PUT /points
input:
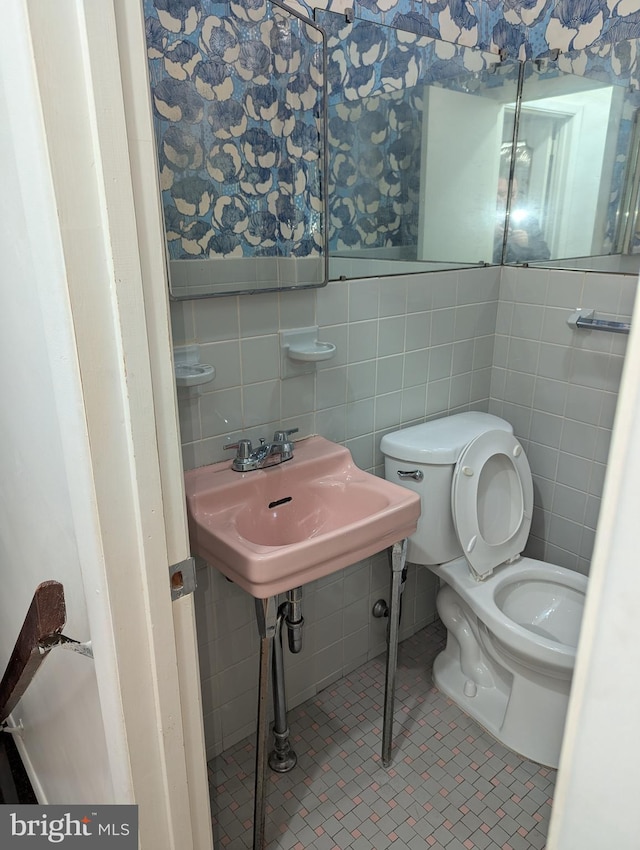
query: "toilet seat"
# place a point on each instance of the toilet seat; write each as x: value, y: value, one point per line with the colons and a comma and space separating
x: 492, y: 522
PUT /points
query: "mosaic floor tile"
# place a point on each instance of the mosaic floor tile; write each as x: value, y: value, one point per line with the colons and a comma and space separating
x: 451, y: 786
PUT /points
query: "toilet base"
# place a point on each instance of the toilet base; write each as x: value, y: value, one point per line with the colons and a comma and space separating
x: 485, y: 707
x: 522, y: 708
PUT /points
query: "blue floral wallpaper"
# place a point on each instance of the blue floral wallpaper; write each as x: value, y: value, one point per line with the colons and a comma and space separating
x: 237, y: 94
x: 524, y: 29
x: 237, y: 91
x: 376, y: 77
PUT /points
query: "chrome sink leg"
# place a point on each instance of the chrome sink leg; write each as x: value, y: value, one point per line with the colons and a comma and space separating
x: 398, y: 559
x: 266, y: 615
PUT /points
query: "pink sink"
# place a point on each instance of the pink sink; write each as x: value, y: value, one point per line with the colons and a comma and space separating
x: 273, y: 529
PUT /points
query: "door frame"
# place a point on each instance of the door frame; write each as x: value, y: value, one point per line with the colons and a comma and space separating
x: 97, y: 122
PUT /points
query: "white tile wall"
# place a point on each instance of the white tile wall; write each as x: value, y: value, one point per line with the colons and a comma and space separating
x: 559, y: 387
x: 408, y: 348
x: 339, y: 635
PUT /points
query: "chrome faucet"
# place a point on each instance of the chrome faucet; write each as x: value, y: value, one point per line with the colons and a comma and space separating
x: 266, y: 454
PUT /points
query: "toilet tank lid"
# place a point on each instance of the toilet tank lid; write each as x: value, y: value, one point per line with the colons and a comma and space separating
x: 440, y: 441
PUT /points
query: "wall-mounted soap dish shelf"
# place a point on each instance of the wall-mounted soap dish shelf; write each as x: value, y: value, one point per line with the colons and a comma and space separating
x: 190, y: 373
x: 313, y: 353
x: 300, y: 350
x: 193, y: 375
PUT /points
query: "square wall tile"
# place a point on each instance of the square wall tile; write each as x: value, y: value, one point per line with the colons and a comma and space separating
x: 297, y: 309
x: 550, y: 396
x: 331, y: 387
x: 361, y: 380
x: 225, y: 358
x: 259, y: 315
x: 362, y: 450
x: 393, y: 297
x: 565, y: 289
x: 546, y: 429
x: 414, y: 401
x: 389, y: 374
x: 480, y: 387
x: 391, y: 335
x: 460, y: 391
x: 483, y: 349
x: 360, y: 418
x: 440, y: 362
x: 445, y: 289
x: 216, y: 318
x: 568, y: 502
x: 416, y: 368
x: 261, y: 403
x: 443, y: 326
x: 463, y: 354
x: 527, y: 321
x: 363, y: 341
x: 221, y: 412
x: 260, y: 358
x: 297, y: 396
x: 531, y: 286
x: 418, y: 331
x: 363, y: 300
x: 332, y: 304
x: 387, y: 410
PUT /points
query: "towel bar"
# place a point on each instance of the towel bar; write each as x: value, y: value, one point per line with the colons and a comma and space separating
x: 584, y: 320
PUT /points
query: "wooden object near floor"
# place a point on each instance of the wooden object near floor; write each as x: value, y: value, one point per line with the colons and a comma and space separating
x: 45, y: 619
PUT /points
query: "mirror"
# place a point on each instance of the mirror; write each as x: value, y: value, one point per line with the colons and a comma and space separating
x: 415, y: 131
x: 238, y: 104
x: 420, y: 172
x: 575, y: 177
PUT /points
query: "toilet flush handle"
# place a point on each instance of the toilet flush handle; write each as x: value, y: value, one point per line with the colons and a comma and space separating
x: 416, y: 474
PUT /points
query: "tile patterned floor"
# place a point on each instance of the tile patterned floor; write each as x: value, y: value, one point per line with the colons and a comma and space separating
x: 451, y: 785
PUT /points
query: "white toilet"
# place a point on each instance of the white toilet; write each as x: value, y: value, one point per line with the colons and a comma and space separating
x: 512, y: 622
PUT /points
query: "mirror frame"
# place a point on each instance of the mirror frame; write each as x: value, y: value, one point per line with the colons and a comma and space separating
x: 198, y: 269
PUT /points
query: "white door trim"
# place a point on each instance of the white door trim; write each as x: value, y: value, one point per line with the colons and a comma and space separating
x: 122, y: 337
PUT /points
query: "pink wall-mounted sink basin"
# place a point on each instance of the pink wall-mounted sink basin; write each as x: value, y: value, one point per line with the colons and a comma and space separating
x: 273, y: 529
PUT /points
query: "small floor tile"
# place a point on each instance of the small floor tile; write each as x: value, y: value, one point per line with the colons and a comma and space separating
x: 450, y: 785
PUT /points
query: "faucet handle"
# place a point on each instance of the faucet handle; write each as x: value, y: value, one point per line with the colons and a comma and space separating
x: 283, y: 436
x: 244, y: 448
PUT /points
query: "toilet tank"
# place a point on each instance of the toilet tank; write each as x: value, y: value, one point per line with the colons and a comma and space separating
x: 431, y: 450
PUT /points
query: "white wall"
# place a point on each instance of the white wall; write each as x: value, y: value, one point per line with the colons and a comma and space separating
x: 407, y: 348
x: 596, y: 799
x: 40, y: 426
x: 461, y: 139
x: 559, y: 388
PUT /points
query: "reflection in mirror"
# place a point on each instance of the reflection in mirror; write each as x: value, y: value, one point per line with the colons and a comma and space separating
x: 238, y: 101
x: 415, y: 130
x: 574, y: 198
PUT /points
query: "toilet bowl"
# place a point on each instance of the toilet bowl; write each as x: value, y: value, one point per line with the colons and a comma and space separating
x: 512, y: 622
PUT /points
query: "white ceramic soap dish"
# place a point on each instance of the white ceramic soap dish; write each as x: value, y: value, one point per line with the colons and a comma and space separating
x: 190, y: 373
x: 300, y: 350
